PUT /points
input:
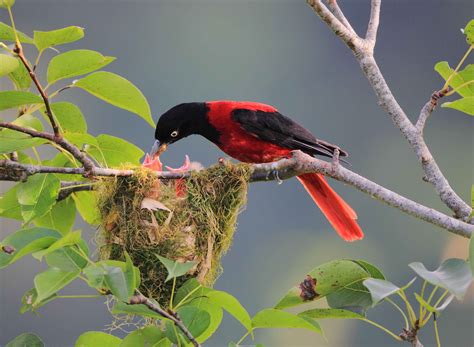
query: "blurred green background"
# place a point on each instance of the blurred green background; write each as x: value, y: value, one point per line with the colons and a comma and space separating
x: 276, y: 52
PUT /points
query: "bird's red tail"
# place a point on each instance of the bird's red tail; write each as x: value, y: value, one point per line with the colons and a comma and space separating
x: 341, y: 216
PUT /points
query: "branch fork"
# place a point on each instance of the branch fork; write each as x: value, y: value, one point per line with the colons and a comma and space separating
x: 363, y: 49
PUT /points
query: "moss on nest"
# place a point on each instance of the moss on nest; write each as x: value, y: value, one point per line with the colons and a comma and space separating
x: 199, y: 225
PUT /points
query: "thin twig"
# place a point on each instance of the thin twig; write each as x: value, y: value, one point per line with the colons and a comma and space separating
x: 374, y: 20
x: 139, y: 299
x: 337, y: 12
x: 88, y: 164
x: 427, y: 109
x: 348, y: 36
x: 19, y: 52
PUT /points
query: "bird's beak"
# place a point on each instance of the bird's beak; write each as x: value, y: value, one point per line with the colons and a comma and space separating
x: 157, y: 149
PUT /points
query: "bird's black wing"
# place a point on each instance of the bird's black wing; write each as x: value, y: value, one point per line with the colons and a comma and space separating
x: 281, y: 130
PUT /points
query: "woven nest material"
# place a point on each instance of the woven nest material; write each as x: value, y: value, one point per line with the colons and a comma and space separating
x: 183, y: 220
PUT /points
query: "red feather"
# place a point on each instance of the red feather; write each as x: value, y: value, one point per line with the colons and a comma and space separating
x: 247, y: 147
x: 341, y: 216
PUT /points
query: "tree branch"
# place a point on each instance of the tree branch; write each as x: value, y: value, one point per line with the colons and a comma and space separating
x: 139, y: 299
x: 88, y: 164
x: 363, y: 50
x: 349, y: 37
x: 374, y: 20
x: 298, y: 164
x: 49, y: 112
x: 337, y: 12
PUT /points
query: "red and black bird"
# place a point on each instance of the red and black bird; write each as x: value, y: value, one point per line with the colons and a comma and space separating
x: 257, y: 133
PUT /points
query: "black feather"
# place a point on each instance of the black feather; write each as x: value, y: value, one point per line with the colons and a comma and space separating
x: 283, y: 131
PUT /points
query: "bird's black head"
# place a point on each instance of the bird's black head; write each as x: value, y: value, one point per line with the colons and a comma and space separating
x: 181, y: 121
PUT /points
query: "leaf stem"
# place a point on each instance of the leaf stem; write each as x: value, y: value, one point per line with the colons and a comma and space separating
x: 78, y: 296
x: 243, y: 337
x: 435, y: 306
x: 172, y: 293
x: 422, y: 294
x: 435, y: 324
x: 452, y: 91
x: 407, y: 325
x: 411, y: 312
x: 17, y: 40
x: 433, y: 292
x: 395, y: 336
x: 458, y: 67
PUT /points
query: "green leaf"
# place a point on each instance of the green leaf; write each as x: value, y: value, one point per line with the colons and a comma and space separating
x: 6, y: 3
x: 469, y: 32
x: 273, y: 318
x: 38, y: 195
x: 330, y: 278
x: 453, y: 275
x: 456, y: 79
x: 69, y: 239
x: 29, y: 298
x: 68, y: 258
x: 139, y: 310
x: 113, y: 151
x: 132, y: 275
x: 380, y: 289
x: 190, y: 290
x: 51, y: 281
x: 26, y: 340
x: 115, y: 280
x: 465, y: 105
x: 76, y: 63
x: 371, y: 269
x: 47, y: 39
x: 86, y: 204
x: 144, y: 337
x: 60, y: 218
x: 7, y: 34
x: 195, y: 319
x: 12, y: 99
x: 122, y: 278
x: 9, y: 206
x: 117, y: 91
x: 174, y: 268
x: 69, y: 117
x: 7, y: 64
x: 20, y: 76
x: 26, y: 241
x: 97, y: 338
x: 332, y: 313
x: 215, y: 315
x: 232, y: 306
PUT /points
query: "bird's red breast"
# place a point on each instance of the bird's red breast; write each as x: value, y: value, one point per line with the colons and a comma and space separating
x: 237, y: 142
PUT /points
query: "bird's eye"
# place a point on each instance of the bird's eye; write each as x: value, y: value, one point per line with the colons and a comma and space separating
x: 174, y: 133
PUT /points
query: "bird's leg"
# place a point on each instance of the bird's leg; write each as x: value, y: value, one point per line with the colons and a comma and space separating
x: 276, y: 176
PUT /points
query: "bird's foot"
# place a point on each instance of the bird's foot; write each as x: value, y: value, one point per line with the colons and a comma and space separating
x: 276, y: 175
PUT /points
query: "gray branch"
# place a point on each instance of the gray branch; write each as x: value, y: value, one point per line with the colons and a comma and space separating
x: 337, y: 12
x: 300, y: 163
x: 363, y: 50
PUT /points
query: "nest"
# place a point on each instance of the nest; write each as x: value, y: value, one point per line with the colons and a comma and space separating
x: 183, y: 220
